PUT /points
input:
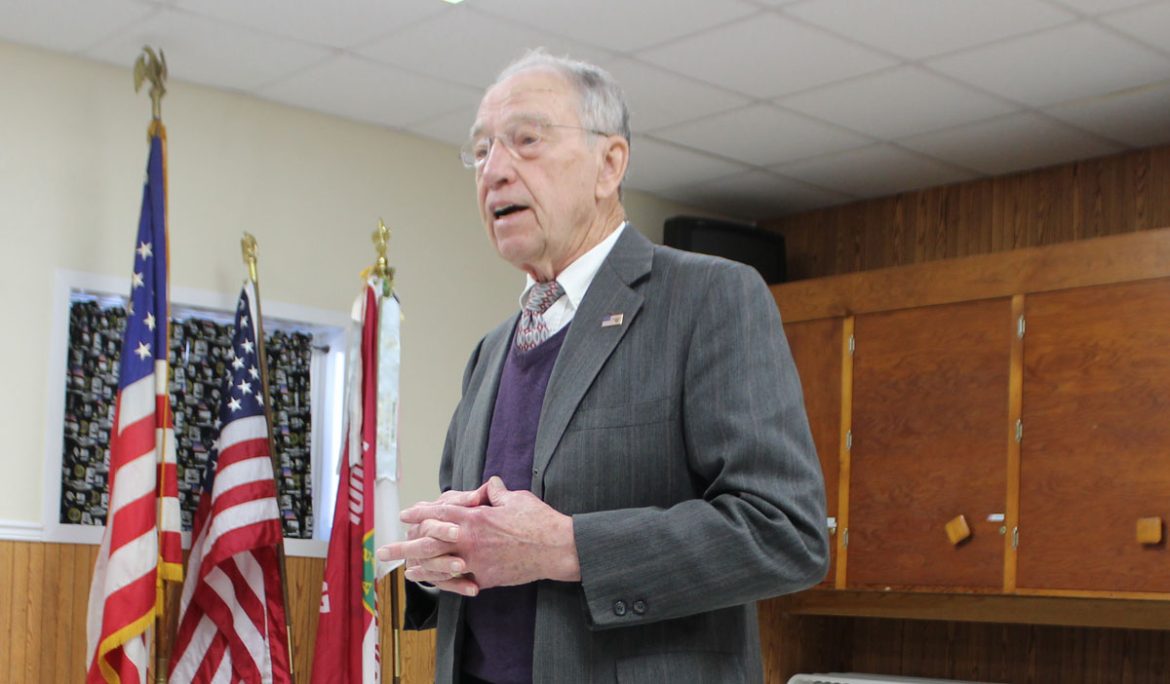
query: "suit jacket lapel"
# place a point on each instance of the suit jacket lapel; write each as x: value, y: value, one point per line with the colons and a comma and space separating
x: 479, y: 418
x: 588, y: 344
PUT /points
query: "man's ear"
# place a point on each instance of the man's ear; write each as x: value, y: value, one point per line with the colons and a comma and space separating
x: 614, y: 161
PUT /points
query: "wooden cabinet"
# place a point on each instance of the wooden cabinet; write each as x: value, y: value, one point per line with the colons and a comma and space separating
x: 930, y: 405
x: 1028, y: 392
x: 817, y: 349
x: 1095, y: 456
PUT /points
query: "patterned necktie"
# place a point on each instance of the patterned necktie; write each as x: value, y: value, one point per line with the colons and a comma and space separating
x: 532, y: 329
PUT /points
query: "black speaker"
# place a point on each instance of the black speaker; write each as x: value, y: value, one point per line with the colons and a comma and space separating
x: 746, y: 244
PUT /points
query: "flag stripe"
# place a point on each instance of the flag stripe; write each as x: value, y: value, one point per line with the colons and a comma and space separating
x: 123, y: 597
x: 130, y: 564
x: 223, y: 674
x: 134, y: 478
x: 246, y: 493
x: 136, y: 403
x: 130, y: 528
x: 243, y: 472
x: 242, y: 430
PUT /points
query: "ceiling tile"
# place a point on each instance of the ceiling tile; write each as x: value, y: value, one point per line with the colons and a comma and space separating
x: 208, y: 52
x: 659, y: 98
x: 1140, y: 118
x: 853, y: 171
x: 1093, y: 7
x: 754, y: 196
x: 656, y: 166
x: 766, y: 56
x: 921, y: 28
x: 334, y: 24
x: 68, y: 25
x: 453, y: 128
x: 1063, y: 64
x: 1009, y: 143
x: 464, y: 46
x: 896, y: 103
x: 695, y: 72
x: 362, y: 90
x: 1149, y: 23
x: 618, y: 24
x: 762, y: 135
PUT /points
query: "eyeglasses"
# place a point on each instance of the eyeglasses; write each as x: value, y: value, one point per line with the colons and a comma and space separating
x: 524, y: 139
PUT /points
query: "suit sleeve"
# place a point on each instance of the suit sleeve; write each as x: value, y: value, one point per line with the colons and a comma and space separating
x: 757, y: 525
x: 422, y: 602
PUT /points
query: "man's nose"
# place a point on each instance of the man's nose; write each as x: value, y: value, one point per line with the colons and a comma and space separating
x: 499, y: 165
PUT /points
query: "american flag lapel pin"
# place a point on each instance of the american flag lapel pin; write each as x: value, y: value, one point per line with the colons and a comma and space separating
x: 611, y: 320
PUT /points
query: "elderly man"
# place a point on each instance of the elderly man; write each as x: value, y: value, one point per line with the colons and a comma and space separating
x: 630, y: 467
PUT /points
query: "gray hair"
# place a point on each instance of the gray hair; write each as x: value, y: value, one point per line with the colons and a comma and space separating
x: 602, y: 102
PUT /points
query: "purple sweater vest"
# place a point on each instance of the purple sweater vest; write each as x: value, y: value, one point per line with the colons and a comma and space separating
x: 500, y: 622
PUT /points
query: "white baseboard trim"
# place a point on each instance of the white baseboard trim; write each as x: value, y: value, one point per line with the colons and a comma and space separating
x: 18, y: 530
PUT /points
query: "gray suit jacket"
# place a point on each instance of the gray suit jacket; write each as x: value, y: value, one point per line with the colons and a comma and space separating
x: 678, y: 442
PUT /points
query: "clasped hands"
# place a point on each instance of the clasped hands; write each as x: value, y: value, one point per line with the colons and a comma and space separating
x: 466, y: 541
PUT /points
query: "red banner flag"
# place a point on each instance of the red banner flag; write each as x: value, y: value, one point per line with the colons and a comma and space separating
x: 347, y: 649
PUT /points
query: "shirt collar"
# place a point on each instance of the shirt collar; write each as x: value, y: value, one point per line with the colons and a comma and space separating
x: 577, y: 276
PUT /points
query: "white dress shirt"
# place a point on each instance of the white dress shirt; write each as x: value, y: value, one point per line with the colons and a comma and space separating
x: 575, y: 280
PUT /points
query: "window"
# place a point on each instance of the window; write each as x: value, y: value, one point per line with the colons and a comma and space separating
x: 305, y: 358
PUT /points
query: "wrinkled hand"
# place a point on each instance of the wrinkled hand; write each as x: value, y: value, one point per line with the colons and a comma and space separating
x: 428, y: 553
x: 514, y: 539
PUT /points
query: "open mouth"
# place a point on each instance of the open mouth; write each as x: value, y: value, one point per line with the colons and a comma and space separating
x: 507, y: 209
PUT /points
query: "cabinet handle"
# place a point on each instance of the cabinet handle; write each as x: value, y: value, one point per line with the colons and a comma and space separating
x: 957, y: 530
x: 1149, y: 530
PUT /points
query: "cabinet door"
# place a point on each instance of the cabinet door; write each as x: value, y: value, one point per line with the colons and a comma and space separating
x: 816, y: 349
x: 1095, y: 456
x: 930, y: 423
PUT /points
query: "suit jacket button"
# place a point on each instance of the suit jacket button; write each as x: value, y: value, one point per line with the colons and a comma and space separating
x: 640, y: 607
x: 619, y: 608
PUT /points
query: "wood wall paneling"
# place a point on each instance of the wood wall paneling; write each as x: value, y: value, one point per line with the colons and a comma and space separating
x: 929, y: 410
x: 1113, y: 259
x: 1019, y: 654
x: 1106, y: 196
x: 976, y: 607
x: 1096, y: 442
x: 792, y: 643
x: 8, y: 633
x: 20, y: 654
x: 968, y: 651
x: 44, y: 595
x: 816, y: 350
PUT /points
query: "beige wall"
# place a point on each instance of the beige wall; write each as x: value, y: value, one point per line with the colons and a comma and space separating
x: 309, y: 186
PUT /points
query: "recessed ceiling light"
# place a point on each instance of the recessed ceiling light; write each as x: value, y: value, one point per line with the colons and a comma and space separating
x: 453, y: 2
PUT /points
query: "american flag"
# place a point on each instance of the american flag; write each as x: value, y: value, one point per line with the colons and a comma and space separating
x: 125, y: 588
x: 232, y: 619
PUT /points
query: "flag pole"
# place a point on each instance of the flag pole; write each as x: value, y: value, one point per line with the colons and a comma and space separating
x: 151, y: 66
x: 381, y: 269
x: 249, y: 251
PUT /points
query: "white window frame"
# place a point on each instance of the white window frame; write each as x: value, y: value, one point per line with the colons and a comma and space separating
x: 329, y: 327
